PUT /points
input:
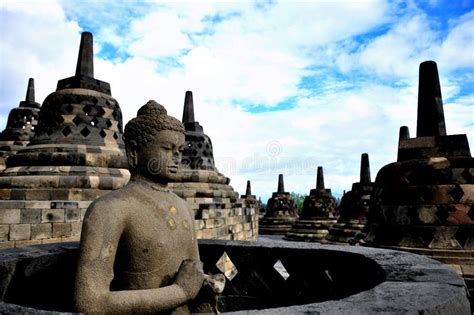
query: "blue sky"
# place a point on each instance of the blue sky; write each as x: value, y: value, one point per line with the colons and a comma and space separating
x: 279, y: 86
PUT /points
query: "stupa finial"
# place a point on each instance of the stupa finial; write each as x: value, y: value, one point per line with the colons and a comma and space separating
x: 281, y: 184
x: 30, y: 96
x: 85, y: 60
x: 404, y: 133
x: 320, y: 179
x: 30, y: 91
x: 364, y: 169
x: 430, y: 121
x: 248, y: 191
x: 188, y: 113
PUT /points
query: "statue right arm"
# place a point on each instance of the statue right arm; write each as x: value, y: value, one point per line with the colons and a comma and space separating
x: 101, y: 232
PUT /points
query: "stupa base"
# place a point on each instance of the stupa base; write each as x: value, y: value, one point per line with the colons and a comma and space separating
x: 309, y: 230
x: 345, y: 233
x: 275, y: 226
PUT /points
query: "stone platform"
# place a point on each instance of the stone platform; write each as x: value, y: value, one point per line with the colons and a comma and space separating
x: 268, y: 277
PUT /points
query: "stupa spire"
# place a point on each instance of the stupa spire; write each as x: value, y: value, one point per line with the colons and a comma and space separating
x: 320, y: 179
x: 248, y: 191
x: 404, y: 133
x: 30, y: 95
x: 30, y: 91
x: 364, y: 169
x: 430, y: 121
x: 85, y: 60
x: 281, y: 184
x: 188, y: 113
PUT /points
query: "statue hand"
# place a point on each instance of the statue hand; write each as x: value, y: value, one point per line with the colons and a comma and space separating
x: 190, y: 277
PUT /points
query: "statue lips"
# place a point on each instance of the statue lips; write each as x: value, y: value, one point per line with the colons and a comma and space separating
x: 173, y: 169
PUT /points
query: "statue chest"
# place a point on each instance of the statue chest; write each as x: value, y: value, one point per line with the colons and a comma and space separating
x: 157, y: 239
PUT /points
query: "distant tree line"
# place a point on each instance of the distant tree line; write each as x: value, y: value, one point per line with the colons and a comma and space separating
x: 298, y: 199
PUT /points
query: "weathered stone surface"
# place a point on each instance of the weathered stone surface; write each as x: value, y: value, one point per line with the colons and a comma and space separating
x: 62, y: 230
x: 41, y: 231
x: 19, y: 232
x: 4, y: 232
x: 52, y: 215
x: 9, y: 216
x: 30, y: 216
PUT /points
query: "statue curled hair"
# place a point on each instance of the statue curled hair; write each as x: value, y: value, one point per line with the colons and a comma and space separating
x: 151, y: 119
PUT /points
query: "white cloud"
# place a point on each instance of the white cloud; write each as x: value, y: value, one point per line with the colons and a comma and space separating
x: 457, y: 50
x: 234, y: 56
x: 413, y: 39
x: 37, y: 41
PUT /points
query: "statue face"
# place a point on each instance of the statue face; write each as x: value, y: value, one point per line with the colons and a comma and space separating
x: 160, y: 159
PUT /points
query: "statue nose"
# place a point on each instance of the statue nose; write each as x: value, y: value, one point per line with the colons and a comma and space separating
x: 177, y: 156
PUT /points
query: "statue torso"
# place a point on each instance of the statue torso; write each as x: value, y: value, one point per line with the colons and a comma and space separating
x: 158, y: 235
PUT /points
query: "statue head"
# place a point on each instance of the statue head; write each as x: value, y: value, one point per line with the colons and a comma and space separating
x: 154, y: 143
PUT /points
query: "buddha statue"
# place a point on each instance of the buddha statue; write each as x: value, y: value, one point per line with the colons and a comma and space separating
x: 138, y: 251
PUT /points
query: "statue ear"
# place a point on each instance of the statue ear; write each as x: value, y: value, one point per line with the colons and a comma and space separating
x: 132, y: 153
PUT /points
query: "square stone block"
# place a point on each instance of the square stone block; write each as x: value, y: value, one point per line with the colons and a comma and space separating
x: 30, y: 216
x: 4, y: 231
x: 73, y: 215
x: 76, y: 228
x: 5, y: 194
x: 20, y: 232
x: 52, y: 215
x: 38, y: 194
x: 41, y: 231
x: 209, y: 234
x: 62, y: 229
x: 9, y: 216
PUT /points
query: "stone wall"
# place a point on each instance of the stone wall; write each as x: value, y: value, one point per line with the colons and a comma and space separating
x: 41, y: 222
x: 218, y: 212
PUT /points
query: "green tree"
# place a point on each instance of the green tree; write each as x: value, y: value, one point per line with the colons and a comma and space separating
x: 298, y: 199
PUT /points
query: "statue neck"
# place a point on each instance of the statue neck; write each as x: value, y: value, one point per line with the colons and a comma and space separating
x: 139, y: 178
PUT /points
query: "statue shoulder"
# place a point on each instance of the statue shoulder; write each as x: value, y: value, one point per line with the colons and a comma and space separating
x: 114, y: 204
x: 180, y: 201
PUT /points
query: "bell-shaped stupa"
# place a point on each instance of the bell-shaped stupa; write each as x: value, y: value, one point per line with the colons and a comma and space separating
x: 318, y: 214
x: 251, y: 200
x: 424, y: 202
x: 76, y: 155
x: 21, y: 125
x: 219, y: 212
x: 281, y: 212
x: 353, y: 208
